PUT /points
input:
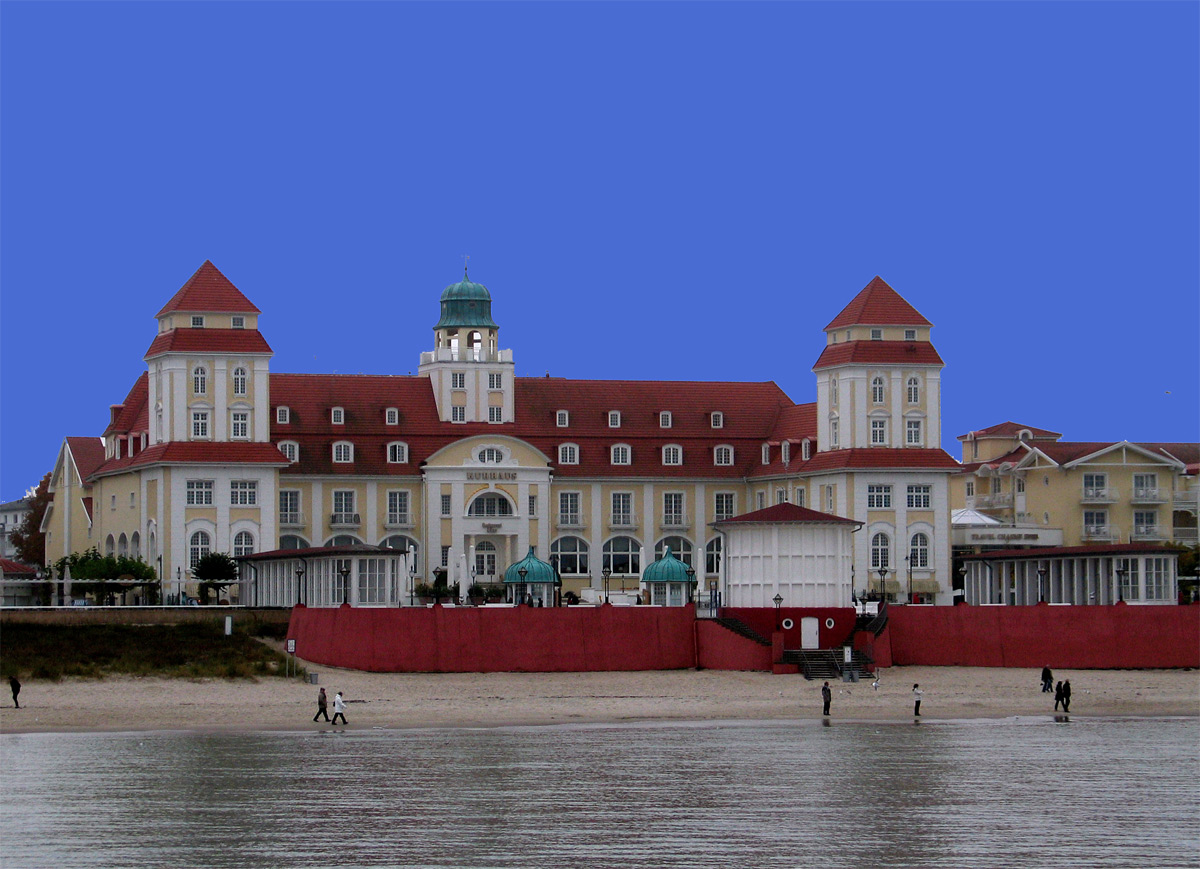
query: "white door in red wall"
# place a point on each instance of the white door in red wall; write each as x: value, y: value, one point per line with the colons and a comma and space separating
x: 810, y: 633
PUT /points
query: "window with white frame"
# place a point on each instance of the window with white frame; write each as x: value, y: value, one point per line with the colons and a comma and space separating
x: 458, y: 413
x: 718, y: 419
x: 723, y: 455
x: 199, y: 424
x: 879, y: 431
x: 805, y: 450
x: 397, y: 453
x: 712, y: 556
x: 997, y: 485
x: 239, y: 426
x: 614, y: 419
x: 568, y: 508
x: 672, y: 454
x: 724, y: 505
x: 760, y: 500
x: 877, y: 390
x: 1158, y: 574
x: 1095, y: 522
x: 337, y: 416
x: 490, y: 504
x: 833, y: 390
x: 289, y: 507
x: 910, y: 334
x: 199, y: 546
x: 199, y: 380
x: 879, y: 497
x: 391, y: 416
x: 572, y: 553
x: 918, y: 551
x: 490, y: 456
x: 290, y: 450
x: 970, y: 488
x: 914, y: 390
x: 881, y: 550
x: 243, y: 544
x: 397, y: 506
x: 243, y: 493
x: 283, y: 415
x: 1020, y: 485
x: 1145, y: 485
x: 568, y: 454
x: 622, y: 556
x: 445, y: 562
x: 445, y: 505
x: 766, y: 454
x: 830, y: 497
x: 1094, y: 485
x: 495, y: 414
x: 664, y: 419
x: 343, y: 452
x: 798, y: 497
x: 620, y: 454
x: 197, y: 321
x: 672, y: 508
x: 781, y: 496
x: 237, y: 322
x: 1145, y: 523
x: 833, y: 432
x: 919, y: 496
x: 343, y: 507
x: 495, y: 380
x: 199, y: 493
x: 562, y: 418
x: 239, y: 381
x: 785, y: 452
x: 912, y: 430
x: 876, y: 334
x: 622, y: 508
x: 458, y: 380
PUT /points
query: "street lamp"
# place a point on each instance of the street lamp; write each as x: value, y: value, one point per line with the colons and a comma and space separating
x: 962, y: 572
x: 908, y: 564
x: 778, y: 601
x: 1122, y: 572
x: 344, y: 570
x: 1041, y: 572
x: 557, y: 579
x: 299, y: 578
x: 522, y: 572
x: 882, y: 588
x: 606, y: 573
x: 691, y: 575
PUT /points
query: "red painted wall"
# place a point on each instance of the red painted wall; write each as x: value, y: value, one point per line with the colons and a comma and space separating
x: 719, y: 648
x: 1095, y: 637
x: 479, y: 640
x: 763, y: 622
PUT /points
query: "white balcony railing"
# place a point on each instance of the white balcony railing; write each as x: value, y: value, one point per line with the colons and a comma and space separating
x: 445, y: 354
x: 623, y: 520
x: 344, y: 520
x: 1101, y: 532
x: 1147, y: 532
x: 291, y: 519
x: 675, y: 520
x: 399, y: 520
x: 1000, y: 499
x: 1100, y: 496
x: 1185, y: 499
x: 1189, y: 536
x: 570, y: 520
x: 1149, y: 496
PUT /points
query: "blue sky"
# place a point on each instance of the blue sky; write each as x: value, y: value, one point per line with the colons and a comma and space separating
x: 650, y: 191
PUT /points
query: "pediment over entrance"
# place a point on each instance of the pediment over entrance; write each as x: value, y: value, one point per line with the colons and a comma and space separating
x: 489, y: 451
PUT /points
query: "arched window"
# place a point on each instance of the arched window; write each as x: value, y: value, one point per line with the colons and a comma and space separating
x: 880, y: 548
x: 833, y: 390
x: 723, y: 455
x: 342, y: 540
x: 877, y: 390
x: 239, y: 381
x: 135, y: 545
x: 292, y: 541
x: 490, y: 504
x: 672, y: 454
x: 397, y: 453
x: 681, y: 548
x: 110, y: 545
x: 343, y: 452
x: 572, y: 553
x: 918, y: 551
x: 123, y: 545
x: 199, y: 380
x: 622, y: 556
x: 712, y: 557
x: 620, y: 454
x: 400, y: 543
x: 490, y: 456
x: 290, y: 450
x: 243, y: 543
x: 200, y: 546
x: 914, y: 390
x: 568, y: 454
x: 475, y: 344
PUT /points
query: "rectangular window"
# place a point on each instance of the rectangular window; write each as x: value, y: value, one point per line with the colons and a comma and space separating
x: 458, y: 380
x: 397, y: 454
x: 237, y: 323
x: 562, y: 419
x: 445, y: 556
x: 243, y: 493
x: 392, y: 417
x: 1145, y: 486
x: 622, y: 508
x: 532, y: 505
x: 289, y: 507
x: 829, y: 498
x: 495, y: 380
x: 876, y: 334
x: 495, y: 414
x: 1095, y: 485
x: 672, y: 508
x: 879, y: 431
x: 723, y: 456
x: 620, y: 455
x: 724, y: 505
x: 200, y: 423
x: 445, y: 505
x: 766, y: 454
x: 833, y: 432
x: 1145, y: 523
x: 197, y: 321
x: 458, y: 413
x: 343, y: 506
x: 760, y: 500
x: 614, y: 419
x: 799, y: 497
x: 283, y: 415
x: 199, y: 493
x: 1095, y: 520
x: 568, y: 454
x: 343, y: 452
x: 970, y: 488
x: 241, y: 425
x: 918, y: 497
x: 785, y: 452
x: 337, y: 416
x: 672, y: 455
x: 781, y: 496
x: 806, y: 450
x: 397, y: 505
x: 664, y: 419
x: 879, y: 497
x: 568, y: 508
x: 910, y: 334
x: 1157, y: 576
x: 913, y: 430
x: 718, y: 419
x: 997, y: 485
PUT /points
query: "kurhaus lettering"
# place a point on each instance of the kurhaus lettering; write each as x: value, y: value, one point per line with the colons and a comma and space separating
x: 1004, y: 537
x: 491, y: 475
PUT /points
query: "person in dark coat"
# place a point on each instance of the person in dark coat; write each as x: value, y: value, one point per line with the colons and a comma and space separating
x: 1047, y: 680
x: 1058, y: 695
x: 1067, y: 695
x: 826, y: 698
x: 322, y: 705
x: 15, y: 685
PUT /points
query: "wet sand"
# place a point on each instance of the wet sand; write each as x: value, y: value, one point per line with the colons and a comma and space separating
x: 395, y: 700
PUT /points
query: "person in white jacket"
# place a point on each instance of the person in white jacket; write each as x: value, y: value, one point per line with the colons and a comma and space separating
x: 917, y: 692
x: 339, y: 708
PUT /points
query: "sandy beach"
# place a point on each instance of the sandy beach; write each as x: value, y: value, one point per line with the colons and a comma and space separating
x: 394, y: 700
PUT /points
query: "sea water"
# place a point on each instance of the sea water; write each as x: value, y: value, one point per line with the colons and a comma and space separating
x: 1017, y: 792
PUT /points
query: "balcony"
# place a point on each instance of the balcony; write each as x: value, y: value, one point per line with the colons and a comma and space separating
x: 991, y: 502
x: 570, y: 520
x: 675, y: 520
x: 291, y: 519
x: 398, y: 520
x: 1101, y: 533
x: 445, y: 354
x: 1146, y: 532
x: 1186, y: 536
x: 1100, y: 496
x: 344, y: 520
x: 623, y: 520
x: 1186, y: 500
x: 1149, y: 496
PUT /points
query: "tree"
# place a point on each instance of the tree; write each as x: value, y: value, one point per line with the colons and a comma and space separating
x: 91, y: 565
x: 28, y: 538
x: 216, y: 572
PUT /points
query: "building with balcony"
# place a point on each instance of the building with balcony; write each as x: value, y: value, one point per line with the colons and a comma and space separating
x: 467, y: 467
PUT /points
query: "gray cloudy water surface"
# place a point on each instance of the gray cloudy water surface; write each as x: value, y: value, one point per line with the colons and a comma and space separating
x: 1022, y: 792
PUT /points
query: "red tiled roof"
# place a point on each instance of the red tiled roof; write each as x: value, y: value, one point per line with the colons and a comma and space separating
x: 310, y: 551
x: 133, y: 407
x: 1011, y: 458
x: 88, y: 454
x: 878, y: 353
x: 1189, y: 454
x: 1010, y: 430
x: 878, y: 305
x: 15, y: 568
x: 87, y: 507
x: 880, y: 457
x: 1063, y: 551
x: 208, y: 341
x: 786, y: 513
x: 195, y: 452
x: 207, y: 290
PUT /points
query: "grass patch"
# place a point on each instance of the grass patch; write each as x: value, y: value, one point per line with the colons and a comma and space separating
x: 195, y: 650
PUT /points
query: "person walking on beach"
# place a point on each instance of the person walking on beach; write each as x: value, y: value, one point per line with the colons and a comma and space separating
x: 15, y: 685
x: 917, y: 692
x: 1047, y: 680
x: 322, y: 706
x: 1067, y: 695
x: 1058, y: 695
x: 339, y: 708
x: 826, y: 698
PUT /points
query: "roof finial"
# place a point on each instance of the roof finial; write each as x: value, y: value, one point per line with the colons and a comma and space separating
x: 465, y: 258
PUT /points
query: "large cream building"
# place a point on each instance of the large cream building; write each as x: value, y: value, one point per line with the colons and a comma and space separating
x: 470, y: 465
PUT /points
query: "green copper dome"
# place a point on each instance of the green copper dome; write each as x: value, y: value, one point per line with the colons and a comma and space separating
x: 667, y: 569
x: 466, y: 304
x: 535, y: 570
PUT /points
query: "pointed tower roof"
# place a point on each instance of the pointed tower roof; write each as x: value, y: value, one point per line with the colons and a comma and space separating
x: 878, y: 305
x: 209, y: 290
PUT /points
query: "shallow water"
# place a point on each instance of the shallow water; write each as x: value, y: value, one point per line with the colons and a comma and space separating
x: 1020, y: 792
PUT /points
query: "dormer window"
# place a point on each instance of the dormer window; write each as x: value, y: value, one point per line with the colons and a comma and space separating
x: 290, y: 450
x: 392, y: 416
x: 766, y: 454
x: 718, y: 419
x: 237, y: 323
x: 562, y: 419
x: 197, y: 321
x: 614, y: 419
x: 786, y: 452
x: 910, y: 334
x: 343, y: 452
x: 876, y: 334
x: 805, y: 450
x: 620, y: 454
x: 337, y: 416
x: 397, y: 453
x: 723, y: 455
x: 664, y: 419
x: 283, y: 415
x: 568, y: 454
x: 672, y: 454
